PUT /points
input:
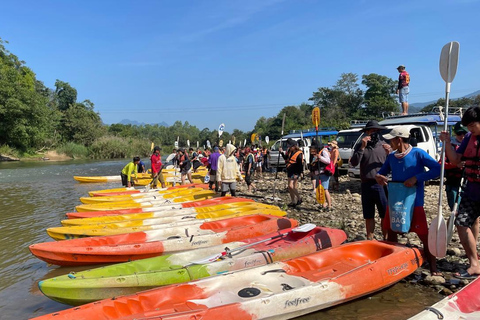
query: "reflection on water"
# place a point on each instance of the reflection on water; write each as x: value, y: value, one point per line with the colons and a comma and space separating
x: 36, y: 195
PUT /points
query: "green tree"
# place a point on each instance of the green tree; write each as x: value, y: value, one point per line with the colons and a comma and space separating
x: 82, y: 125
x: 65, y: 94
x: 379, y: 96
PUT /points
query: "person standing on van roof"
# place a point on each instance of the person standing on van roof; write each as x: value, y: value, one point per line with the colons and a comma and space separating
x: 469, y: 209
x: 371, y: 153
x: 407, y: 164
x: 403, y: 88
x: 294, y: 162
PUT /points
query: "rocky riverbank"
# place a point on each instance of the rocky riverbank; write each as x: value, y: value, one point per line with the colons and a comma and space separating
x: 347, y: 215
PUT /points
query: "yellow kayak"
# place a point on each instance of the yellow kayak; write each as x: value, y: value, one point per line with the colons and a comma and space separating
x: 142, y: 197
x: 205, y: 194
x: 172, y: 229
x: 195, y: 211
x: 117, y: 178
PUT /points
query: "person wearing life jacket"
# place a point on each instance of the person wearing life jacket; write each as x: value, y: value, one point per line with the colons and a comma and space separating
x: 294, y: 163
x: 453, y: 173
x: 228, y: 171
x: 248, y: 168
x: 469, y: 209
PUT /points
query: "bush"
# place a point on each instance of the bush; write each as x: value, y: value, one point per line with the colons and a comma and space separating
x: 110, y: 147
x: 73, y: 150
x: 8, y: 151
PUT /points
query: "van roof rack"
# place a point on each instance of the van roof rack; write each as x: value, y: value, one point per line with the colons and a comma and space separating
x: 311, y: 130
x: 358, y: 123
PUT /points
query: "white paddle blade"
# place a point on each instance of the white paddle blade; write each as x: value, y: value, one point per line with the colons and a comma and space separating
x: 267, y: 139
x: 437, y: 237
x: 449, y: 61
x: 305, y: 227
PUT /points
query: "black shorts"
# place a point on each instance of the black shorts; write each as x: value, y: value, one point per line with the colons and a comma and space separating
x: 373, y: 195
x: 124, y: 179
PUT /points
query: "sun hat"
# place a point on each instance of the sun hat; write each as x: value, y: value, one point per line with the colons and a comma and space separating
x: 458, y: 128
x: 373, y: 124
x: 333, y: 143
x: 401, y: 132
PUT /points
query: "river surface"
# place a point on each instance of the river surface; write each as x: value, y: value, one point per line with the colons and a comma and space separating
x: 36, y: 195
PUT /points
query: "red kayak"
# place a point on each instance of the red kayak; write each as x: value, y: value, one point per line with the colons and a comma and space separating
x: 192, y: 204
x: 139, y: 245
x: 463, y: 304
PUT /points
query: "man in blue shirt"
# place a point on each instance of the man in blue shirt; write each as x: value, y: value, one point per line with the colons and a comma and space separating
x: 407, y: 165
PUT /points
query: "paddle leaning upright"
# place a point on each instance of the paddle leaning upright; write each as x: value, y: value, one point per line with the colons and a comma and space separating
x: 437, y: 233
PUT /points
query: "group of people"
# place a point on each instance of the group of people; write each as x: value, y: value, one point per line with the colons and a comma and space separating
x: 383, y: 153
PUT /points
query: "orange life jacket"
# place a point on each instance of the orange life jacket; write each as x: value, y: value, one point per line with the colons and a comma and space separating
x: 293, y: 159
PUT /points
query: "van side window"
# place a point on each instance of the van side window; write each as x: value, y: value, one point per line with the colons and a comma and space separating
x: 417, y: 134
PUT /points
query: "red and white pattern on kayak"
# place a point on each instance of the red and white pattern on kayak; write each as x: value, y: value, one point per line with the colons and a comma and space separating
x: 463, y: 304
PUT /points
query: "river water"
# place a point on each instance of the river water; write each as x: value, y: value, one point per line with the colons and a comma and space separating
x: 36, y: 195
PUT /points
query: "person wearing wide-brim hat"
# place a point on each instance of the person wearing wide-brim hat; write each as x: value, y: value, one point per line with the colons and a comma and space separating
x: 370, y: 153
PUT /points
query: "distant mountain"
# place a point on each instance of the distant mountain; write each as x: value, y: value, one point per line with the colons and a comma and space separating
x: 416, y: 107
x: 136, y: 123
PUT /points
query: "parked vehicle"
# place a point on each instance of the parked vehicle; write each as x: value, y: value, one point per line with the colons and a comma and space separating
x: 346, y: 140
x: 305, y: 139
x: 421, y: 136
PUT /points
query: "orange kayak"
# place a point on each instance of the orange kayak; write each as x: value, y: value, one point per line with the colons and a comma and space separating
x: 281, y: 290
x: 192, y: 204
x: 139, y: 245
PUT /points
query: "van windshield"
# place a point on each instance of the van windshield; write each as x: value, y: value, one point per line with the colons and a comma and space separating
x: 277, y: 145
x: 347, y: 139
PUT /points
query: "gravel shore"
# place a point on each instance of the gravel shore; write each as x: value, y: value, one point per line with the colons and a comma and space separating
x: 347, y: 215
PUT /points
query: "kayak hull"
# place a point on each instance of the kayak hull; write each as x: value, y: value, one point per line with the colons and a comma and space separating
x: 192, y: 204
x: 171, y: 225
x: 127, y: 278
x: 463, y: 304
x: 281, y: 290
x: 140, y: 245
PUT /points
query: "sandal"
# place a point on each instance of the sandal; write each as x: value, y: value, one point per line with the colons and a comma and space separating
x: 299, y: 202
x: 465, y: 275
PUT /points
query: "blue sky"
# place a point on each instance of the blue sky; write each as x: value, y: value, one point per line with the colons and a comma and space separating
x: 212, y: 62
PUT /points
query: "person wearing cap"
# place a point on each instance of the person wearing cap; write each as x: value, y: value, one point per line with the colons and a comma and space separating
x: 403, y: 88
x: 469, y: 209
x: 185, y: 165
x: 294, y: 163
x: 156, y: 164
x: 370, y: 154
x: 212, y: 168
x: 407, y: 164
x: 228, y: 171
x: 128, y: 170
x: 453, y: 173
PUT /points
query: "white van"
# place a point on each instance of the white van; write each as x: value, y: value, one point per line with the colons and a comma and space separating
x: 346, y: 140
x: 305, y: 139
x: 421, y: 136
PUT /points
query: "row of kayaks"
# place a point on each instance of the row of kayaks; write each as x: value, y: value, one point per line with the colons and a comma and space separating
x: 171, y: 176
x: 207, y: 257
